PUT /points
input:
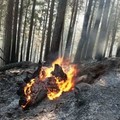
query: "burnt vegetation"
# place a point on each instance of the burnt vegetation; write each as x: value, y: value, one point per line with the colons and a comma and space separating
x: 34, y: 33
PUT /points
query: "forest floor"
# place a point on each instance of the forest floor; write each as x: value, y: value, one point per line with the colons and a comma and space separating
x: 97, y: 101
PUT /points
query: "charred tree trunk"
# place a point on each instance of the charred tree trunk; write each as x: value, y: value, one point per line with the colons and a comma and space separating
x: 13, y: 56
x: 47, y: 47
x: 94, y: 32
x: 24, y: 29
x: 109, y: 27
x: 115, y: 28
x: 8, y: 31
x: 58, y: 28
x: 44, y: 32
x: 71, y: 29
x: 83, y: 34
x: 1, y: 12
x: 34, y: 29
x: 19, y: 30
x: 101, y: 40
x: 30, y: 31
x: 118, y: 51
x: 84, y: 50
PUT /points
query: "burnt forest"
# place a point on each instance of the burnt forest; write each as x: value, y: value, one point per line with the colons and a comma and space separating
x: 59, y: 59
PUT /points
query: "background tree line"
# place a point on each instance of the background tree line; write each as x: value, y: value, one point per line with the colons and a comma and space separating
x: 34, y: 30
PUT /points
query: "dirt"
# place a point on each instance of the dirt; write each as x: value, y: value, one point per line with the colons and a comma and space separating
x: 98, y: 101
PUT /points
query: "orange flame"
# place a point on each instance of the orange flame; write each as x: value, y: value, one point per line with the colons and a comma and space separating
x: 64, y: 85
x: 28, y: 91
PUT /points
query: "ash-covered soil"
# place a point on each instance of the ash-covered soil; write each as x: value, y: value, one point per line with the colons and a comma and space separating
x: 98, y: 101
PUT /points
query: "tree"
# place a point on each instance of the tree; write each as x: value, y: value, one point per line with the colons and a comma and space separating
x: 19, y: 30
x: 58, y: 28
x: 83, y: 34
x: 109, y: 27
x: 1, y: 13
x: 47, y: 47
x: 115, y: 27
x: 71, y: 29
x: 89, y: 28
x: 94, y: 32
x: 44, y: 30
x: 30, y: 31
x: 8, y: 31
x: 118, y: 51
x: 13, y: 56
x: 24, y: 29
x: 101, y: 40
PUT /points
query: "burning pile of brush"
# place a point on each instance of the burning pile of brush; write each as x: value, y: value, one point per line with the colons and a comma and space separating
x: 47, y: 81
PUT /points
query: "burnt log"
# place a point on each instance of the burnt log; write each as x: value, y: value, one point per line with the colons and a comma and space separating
x: 58, y: 72
x: 37, y: 93
x: 23, y: 64
x: 88, y: 74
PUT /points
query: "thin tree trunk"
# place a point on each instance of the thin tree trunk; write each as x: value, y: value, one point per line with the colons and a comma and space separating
x: 115, y: 28
x: 19, y: 30
x: 71, y: 29
x: 44, y: 31
x: 8, y: 31
x: 47, y: 47
x: 94, y: 32
x: 1, y: 12
x: 109, y: 27
x: 58, y: 29
x: 24, y: 29
x: 118, y: 50
x: 83, y: 34
x: 30, y: 31
x: 101, y: 40
x: 13, y: 56
x: 33, y: 40
x: 85, y: 46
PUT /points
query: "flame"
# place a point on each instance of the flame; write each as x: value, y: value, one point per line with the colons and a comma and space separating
x: 46, y: 71
x: 63, y: 85
x: 28, y: 91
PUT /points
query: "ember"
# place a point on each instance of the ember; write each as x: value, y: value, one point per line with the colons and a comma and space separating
x: 55, y: 80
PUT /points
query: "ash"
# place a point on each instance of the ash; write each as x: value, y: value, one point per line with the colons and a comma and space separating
x: 98, y: 101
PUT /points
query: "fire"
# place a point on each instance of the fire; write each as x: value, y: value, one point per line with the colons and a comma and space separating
x: 46, y: 71
x: 63, y: 85
x: 28, y: 91
x: 57, y: 84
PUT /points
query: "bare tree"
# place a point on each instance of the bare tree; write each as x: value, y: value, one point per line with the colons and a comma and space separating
x: 8, y: 31
x: 24, y: 29
x: 48, y: 40
x: 71, y: 29
x: 44, y: 31
x: 101, y: 40
x: 30, y: 31
x: 95, y: 30
x: 115, y: 27
x: 58, y: 28
x: 83, y: 34
x: 15, y: 23
x: 19, y: 30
